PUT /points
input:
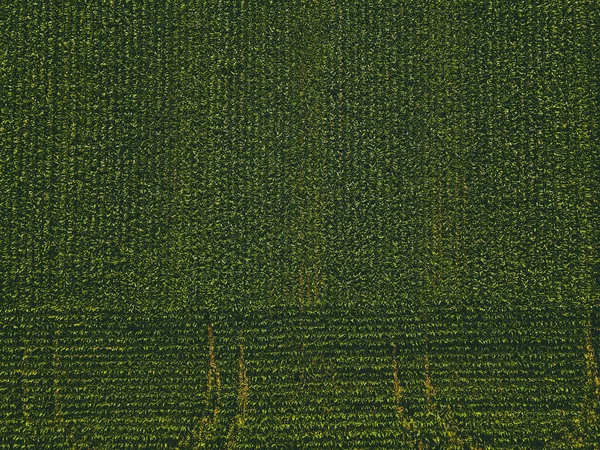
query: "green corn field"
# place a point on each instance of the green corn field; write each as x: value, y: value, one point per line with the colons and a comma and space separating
x: 299, y: 224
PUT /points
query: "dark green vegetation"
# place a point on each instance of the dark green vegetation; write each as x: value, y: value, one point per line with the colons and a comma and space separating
x: 299, y: 224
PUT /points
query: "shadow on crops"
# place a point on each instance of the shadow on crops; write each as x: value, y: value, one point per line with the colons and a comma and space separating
x: 433, y: 427
x: 213, y: 430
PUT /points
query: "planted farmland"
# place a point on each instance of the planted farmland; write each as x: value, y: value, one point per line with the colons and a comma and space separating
x: 299, y: 225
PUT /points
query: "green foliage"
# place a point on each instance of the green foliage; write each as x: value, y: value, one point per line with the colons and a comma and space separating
x: 215, y: 218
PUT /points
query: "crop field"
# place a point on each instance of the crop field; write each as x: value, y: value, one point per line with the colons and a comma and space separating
x: 299, y: 224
